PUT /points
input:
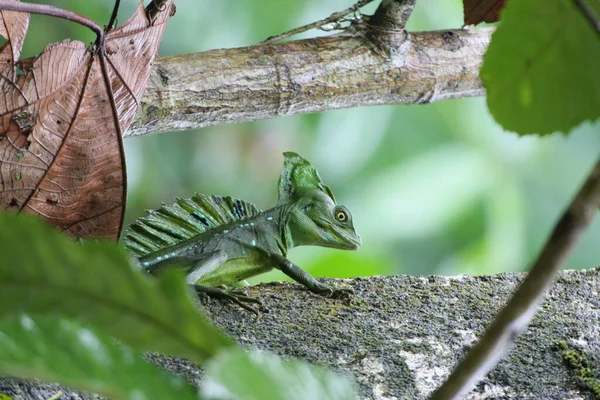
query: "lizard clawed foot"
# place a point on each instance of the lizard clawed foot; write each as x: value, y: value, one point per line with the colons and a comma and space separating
x: 229, y: 296
x: 343, y: 294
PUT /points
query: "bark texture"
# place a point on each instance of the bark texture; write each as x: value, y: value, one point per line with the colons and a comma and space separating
x: 402, y: 335
x: 305, y: 76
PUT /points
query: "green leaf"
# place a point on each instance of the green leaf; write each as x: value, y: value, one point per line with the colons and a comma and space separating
x: 541, y: 69
x: 258, y: 375
x: 62, y: 351
x: 46, y: 273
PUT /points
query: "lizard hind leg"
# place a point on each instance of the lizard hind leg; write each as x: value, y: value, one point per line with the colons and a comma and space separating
x: 206, y: 263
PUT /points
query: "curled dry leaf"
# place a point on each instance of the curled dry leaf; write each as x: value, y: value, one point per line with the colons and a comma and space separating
x: 476, y: 11
x: 61, y: 153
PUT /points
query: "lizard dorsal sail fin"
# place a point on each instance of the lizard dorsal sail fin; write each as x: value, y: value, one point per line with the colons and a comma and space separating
x: 173, y: 223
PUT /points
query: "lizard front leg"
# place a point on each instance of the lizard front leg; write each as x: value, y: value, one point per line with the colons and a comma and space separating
x: 303, y: 277
x: 206, y: 263
x: 228, y: 295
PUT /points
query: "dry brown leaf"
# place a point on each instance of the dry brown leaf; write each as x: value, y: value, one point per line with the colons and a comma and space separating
x: 61, y: 153
x: 476, y: 11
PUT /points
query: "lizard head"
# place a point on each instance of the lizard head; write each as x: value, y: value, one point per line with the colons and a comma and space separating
x: 314, y: 217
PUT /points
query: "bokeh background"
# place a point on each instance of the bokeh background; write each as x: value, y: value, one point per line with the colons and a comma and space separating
x: 433, y: 189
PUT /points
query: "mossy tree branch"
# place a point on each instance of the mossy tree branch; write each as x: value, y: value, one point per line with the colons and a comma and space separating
x: 401, y: 335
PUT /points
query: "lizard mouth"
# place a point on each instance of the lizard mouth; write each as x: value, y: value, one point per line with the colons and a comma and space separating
x: 342, y: 238
x: 353, y: 241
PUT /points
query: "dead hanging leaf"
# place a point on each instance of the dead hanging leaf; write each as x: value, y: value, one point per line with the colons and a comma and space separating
x: 61, y: 153
x: 476, y: 11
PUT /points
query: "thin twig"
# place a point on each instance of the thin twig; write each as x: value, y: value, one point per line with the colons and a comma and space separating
x: 335, y: 17
x: 113, y: 16
x: 154, y: 8
x: 53, y: 12
x: 587, y: 12
x: 515, y: 316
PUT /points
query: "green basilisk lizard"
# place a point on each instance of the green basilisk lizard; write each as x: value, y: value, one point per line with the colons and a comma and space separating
x: 222, y: 241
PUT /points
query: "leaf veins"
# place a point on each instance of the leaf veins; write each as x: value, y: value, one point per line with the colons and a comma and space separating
x: 62, y: 115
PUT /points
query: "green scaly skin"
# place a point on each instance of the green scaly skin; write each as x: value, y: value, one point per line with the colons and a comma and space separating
x: 306, y: 214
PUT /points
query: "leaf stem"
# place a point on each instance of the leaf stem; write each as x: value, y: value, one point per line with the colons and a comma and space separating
x: 118, y: 130
x: 517, y: 313
x: 52, y: 11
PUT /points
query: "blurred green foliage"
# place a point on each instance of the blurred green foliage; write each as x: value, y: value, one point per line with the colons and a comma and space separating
x: 534, y: 89
x: 49, y: 281
x: 258, y: 375
x: 60, y: 350
x: 434, y: 189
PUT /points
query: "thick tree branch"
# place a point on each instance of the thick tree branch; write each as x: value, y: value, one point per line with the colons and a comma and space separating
x: 345, y: 70
x: 515, y: 316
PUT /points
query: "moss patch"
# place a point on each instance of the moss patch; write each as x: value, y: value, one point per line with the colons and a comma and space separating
x: 580, y: 363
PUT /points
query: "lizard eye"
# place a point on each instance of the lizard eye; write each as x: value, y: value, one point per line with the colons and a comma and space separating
x: 341, y: 216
